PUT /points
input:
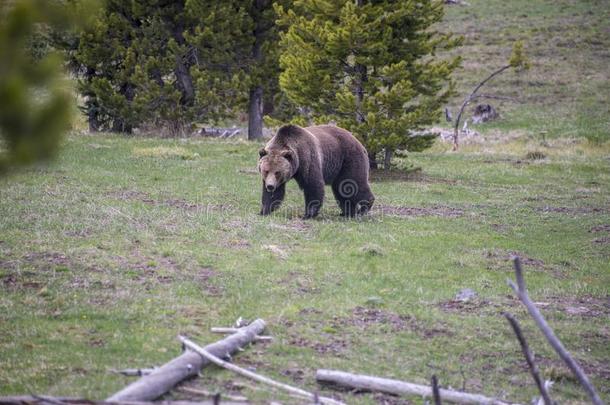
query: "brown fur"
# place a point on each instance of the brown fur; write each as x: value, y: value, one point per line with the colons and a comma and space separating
x: 315, y: 156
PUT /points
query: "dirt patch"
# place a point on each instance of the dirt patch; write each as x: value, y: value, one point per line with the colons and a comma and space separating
x: 602, y: 241
x: 295, y: 373
x: 177, y: 203
x: 465, y: 307
x: 46, y: 260
x: 364, y: 318
x: 296, y: 225
x: 417, y: 176
x: 406, y: 212
x: 204, y: 276
x: 335, y: 346
x: 585, y: 306
x: 572, y: 210
x: 600, y: 228
x: 502, y: 259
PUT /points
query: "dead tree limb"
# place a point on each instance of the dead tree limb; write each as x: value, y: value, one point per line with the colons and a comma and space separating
x: 253, y: 376
x: 435, y: 392
x: 529, y: 358
x: 468, y: 100
x: 397, y: 387
x: 233, y: 330
x: 48, y: 400
x: 188, y: 364
x: 134, y: 372
x: 523, y: 296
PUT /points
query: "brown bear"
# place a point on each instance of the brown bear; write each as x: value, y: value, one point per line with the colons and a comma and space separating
x: 315, y: 156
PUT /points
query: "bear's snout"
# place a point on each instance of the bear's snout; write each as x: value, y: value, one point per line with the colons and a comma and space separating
x: 270, y: 188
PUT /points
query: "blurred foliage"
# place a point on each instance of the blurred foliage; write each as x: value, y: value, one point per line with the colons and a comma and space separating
x: 34, y: 109
x: 35, y: 100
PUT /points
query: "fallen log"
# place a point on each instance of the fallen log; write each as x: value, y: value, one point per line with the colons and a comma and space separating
x: 233, y: 330
x: 397, y: 387
x: 187, y: 365
x: 48, y: 400
x: 256, y: 377
x: 134, y: 372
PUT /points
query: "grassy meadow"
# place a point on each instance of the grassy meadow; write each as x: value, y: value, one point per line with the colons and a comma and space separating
x: 124, y: 242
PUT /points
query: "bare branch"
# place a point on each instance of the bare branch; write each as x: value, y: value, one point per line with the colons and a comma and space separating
x: 469, y: 99
x: 521, y: 292
x: 256, y: 377
x: 529, y: 358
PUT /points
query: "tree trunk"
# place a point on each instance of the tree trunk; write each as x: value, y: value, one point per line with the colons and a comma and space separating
x: 91, y: 103
x: 372, y: 160
x: 92, y: 118
x: 387, y: 158
x: 182, y: 69
x: 255, y: 107
x: 255, y: 114
x: 120, y: 124
x: 185, y: 81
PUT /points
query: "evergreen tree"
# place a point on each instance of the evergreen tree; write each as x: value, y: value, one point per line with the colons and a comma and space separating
x: 370, y: 66
x: 159, y: 63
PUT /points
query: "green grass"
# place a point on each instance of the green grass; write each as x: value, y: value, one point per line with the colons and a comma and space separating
x: 566, y: 91
x: 109, y: 253
x: 123, y: 243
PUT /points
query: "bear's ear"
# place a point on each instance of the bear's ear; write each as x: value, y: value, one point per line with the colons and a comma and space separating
x: 288, y: 155
x: 262, y: 152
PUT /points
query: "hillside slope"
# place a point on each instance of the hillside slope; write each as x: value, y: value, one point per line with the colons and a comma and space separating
x: 566, y: 92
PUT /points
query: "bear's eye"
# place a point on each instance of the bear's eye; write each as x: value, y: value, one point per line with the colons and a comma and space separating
x: 277, y: 174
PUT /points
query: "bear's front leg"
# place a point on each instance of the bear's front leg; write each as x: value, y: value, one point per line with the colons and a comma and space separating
x: 272, y: 200
x: 314, y: 195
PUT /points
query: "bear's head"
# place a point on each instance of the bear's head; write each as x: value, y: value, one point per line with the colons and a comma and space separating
x: 276, y: 167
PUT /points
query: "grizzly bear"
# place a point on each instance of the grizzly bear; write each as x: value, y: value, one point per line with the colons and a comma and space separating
x: 315, y: 156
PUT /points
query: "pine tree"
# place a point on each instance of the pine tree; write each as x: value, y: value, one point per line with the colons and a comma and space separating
x: 370, y: 66
x: 160, y: 63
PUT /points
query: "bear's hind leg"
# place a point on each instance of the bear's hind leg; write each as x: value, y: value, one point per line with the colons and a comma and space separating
x: 365, y: 201
x: 345, y: 204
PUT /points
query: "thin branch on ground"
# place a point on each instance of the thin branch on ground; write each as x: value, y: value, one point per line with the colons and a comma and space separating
x: 256, y: 377
x: 521, y: 292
